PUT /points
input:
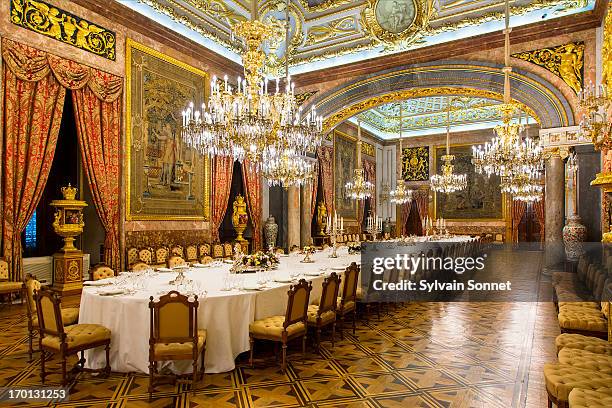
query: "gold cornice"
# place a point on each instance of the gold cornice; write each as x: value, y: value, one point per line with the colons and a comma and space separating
x: 331, y: 121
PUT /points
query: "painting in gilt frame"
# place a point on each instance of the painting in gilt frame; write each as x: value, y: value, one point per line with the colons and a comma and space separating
x: 482, y: 199
x: 165, y: 178
x: 345, y: 160
x: 415, y: 163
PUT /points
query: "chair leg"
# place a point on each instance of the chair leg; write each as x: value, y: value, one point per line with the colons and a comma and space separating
x: 318, y: 340
x: 341, y: 327
x: 42, y: 366
x: 107, y: 369
x: 333, y: 339
x: 81, y: 361
x: 194, y: 376
x: 64, y: 381
x: 202, y: 363
x: 354, y: 320
x: 304, y: 346
x: 549, y: 403
x: 151, y: 378
x: 30, y: 340
x: 252, y: 342
x: 284, y: 361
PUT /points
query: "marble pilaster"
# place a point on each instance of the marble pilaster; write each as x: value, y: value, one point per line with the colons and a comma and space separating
x: 306, y: 218
x: 554, y: 211
x: 293, y: 216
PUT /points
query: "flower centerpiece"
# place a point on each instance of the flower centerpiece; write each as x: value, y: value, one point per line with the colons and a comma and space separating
x: 307, y: 251
x: 259, y: 260
x: 354, y: 247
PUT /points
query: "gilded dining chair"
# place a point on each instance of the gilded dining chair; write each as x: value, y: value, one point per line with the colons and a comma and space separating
x: 324, y: 314
x: 101, y: 271
x: 139, y: 266
x: 285, y: 328
x: 174, y: 335
x: 176, y: 260
x: 70, y: 315
x: 7, y: 287
x: 347, y: 302
x: 67, y: 340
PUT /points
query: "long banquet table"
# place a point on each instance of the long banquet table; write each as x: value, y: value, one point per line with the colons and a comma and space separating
x: 225, y: 315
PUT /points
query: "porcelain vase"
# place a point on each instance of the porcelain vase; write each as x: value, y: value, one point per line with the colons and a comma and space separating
x: 574, y: 235
x: 271, y: 232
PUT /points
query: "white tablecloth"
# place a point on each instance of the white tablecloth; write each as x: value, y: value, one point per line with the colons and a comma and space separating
x: 225, y: 315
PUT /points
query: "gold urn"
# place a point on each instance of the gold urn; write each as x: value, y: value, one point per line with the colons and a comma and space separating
x: 240, y: 218
x: 68, y: 222
x: 321, y: 220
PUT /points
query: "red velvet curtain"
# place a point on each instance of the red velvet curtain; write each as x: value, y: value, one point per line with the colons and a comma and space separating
x: 405, y: 208
x: 252, y: 186
x: 33, y: 105
x: 421, y: 199
x: 518, y: 210
x: 538, y: 208
x: 222, y: 183
x: 314, y: 187
x: 326, y: 167
x: 369, y: 174
x: 97, y: 111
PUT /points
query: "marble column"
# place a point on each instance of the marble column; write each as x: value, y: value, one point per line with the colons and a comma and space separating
x: 293, y: 217
x: 306, y: 218
x: 555, y: 212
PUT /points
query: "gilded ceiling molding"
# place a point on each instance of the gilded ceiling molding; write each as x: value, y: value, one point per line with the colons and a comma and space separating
x: 399, y: 23
x: 324, y: 5
x: 61, y: 25
x: 215, y: 9
x: 301, y: 98
x: 338, y: 117
x: 565, y: 61
x: 335, y: 28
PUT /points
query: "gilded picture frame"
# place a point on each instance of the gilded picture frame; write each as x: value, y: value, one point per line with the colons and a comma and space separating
x: 345, y: 160
x: 165, y: 179
x: 482, y: 199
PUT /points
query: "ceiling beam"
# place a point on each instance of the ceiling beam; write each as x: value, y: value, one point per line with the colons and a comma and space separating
x: 135, y: 21
x: 453, y: 49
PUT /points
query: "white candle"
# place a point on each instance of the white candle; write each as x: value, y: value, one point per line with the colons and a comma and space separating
x: 341, y: 223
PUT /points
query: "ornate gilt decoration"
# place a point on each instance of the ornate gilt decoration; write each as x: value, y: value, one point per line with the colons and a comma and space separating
x: 606, y: 50
x: 565, y: 61
x: 367, y: 148
x: 400, y: 22
x: 336, y: 28
x: 415, y: 163
x: 304, y: 96
x: 338, y: 117
x: 48, y: 20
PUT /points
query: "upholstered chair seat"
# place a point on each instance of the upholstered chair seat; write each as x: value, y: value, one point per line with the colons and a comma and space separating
x: 588, y: 305
x: 561, y: 379
x: 139, y: 266
x: 175, y: 260
x: 171, y: 351
x: 326, y: 317
x: 348, y: 306
x: 587, y: 343
x: 7, y: 287
x: 206, y: 259
x: 586, y: 360
x: 583, y: 320
x: 585, y: 398
x: 272, y: 328
x: 77, y: 336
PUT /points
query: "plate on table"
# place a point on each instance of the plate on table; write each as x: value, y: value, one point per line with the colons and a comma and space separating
x: 283, y: 280
x: 111, y: 292
x: 101, y: 282
x: 313, y: 273
x: 199, y: 265
x: 228, y: 261
x: 338, y: 268
x: 253, y: 287
x: 164, y: 270
x: 180, y: 267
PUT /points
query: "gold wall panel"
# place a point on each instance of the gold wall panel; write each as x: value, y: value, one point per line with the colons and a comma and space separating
x: 48, y: 20
x: 415, y: 163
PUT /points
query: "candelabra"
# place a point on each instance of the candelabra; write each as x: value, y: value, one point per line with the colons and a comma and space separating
x: 374, y: 225
x: 434, y: 227
x: 595, y: 124
x: 334, y: 229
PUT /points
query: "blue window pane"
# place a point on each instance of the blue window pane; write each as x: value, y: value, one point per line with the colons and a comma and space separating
x: 30, y: 233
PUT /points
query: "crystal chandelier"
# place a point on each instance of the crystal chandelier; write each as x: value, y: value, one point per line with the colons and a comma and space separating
x: 595, y: 102
x: 507, y: 155
x: 448, y: 181
x: 251, y: 122
x: 359, y: 188
x: 400, y: 195
x: 525, y: 187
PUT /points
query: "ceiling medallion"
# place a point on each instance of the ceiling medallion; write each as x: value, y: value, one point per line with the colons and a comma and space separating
x: 397, y: 22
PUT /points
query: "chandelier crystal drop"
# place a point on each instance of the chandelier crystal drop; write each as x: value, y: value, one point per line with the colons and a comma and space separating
x: 507, y: 155
x: 289, y: 169
x: 400, y: 195
x: 448, y: 181
x: 526, y: 187
x: 251, y: 121
x: 359, y: 188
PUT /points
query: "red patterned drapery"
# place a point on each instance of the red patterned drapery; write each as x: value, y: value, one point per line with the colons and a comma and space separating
x: 252, y: 186
x: 314, y: 187
x: 38, y: 103
x: 421, y: 198
x: 369, y: 174
x: 222, y: 183
x: 538, y: 209
x: 33, y: 105
x: 518, y: 210
x: 405, y: 209
x: 326, y: 167
x: 97, y: 111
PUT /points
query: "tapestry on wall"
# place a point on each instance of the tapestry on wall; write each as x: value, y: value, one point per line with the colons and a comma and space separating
x: 481, y: 199
x: 415, y: 163
x: 345, y: 159
x: 165, y: 178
